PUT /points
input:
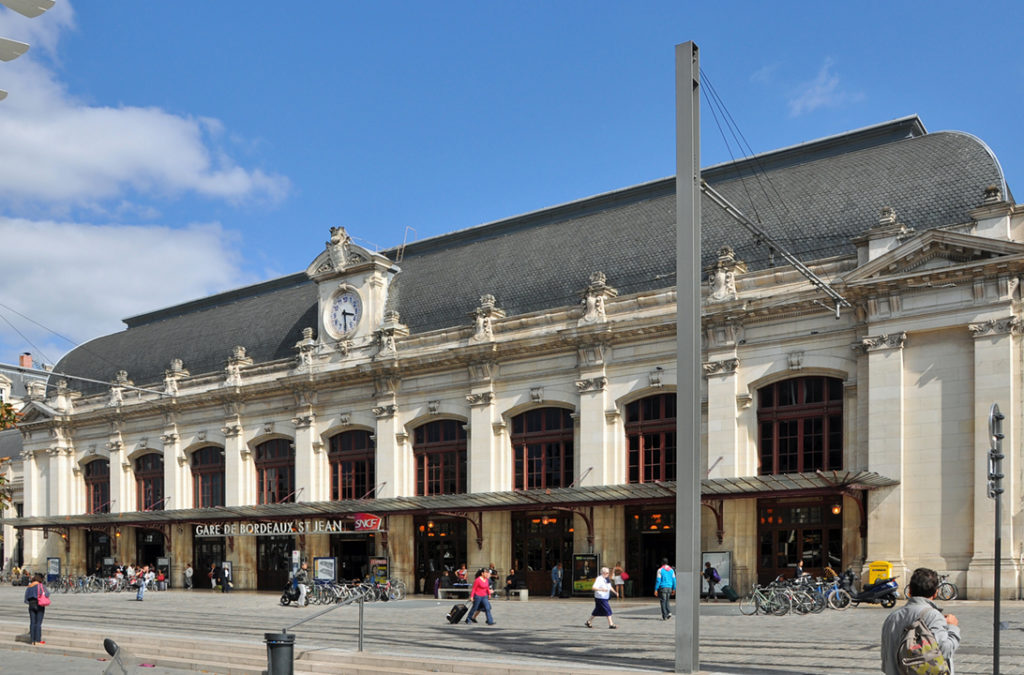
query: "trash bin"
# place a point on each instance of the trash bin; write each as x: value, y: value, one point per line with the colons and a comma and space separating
x: 280, y: 653
x: 879, y: 570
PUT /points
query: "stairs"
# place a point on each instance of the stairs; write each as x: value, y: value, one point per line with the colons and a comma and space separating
x: 219, y: 656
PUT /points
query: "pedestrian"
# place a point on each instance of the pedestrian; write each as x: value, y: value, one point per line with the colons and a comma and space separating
x: 665, y: 587
x: 213, y: 575
x: 481, y: 595
x: 924, y: 584
x: 619, y: 577
x: 602, y: 589
x: 224, y: 577
x: 712, y: 577
x: 511, y: 583
x: 494, y: 574
x: 37, y: 598
x: 141, y: 578
x: 462, y: 574
x: 556, y: 580
x: 799, y: 570
x: 301, y: 581
x: 189, y: 572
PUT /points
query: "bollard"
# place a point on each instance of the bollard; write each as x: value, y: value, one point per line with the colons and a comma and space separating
x: 280, y: 653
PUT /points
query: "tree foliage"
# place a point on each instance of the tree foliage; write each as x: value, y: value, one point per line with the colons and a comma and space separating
x: 8, y: 416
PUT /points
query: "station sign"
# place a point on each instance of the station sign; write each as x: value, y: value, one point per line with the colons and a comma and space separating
x: 249, y: 528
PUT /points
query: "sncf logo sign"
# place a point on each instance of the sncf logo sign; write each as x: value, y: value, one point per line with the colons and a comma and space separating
x: 367, y: 521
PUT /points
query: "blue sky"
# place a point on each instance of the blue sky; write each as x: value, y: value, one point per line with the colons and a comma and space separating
x: 151, y: 153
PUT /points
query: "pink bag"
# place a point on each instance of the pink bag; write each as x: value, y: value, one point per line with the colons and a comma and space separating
x: 43, y: 598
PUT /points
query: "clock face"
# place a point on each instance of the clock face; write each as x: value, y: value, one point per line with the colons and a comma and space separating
x: 346, y: 310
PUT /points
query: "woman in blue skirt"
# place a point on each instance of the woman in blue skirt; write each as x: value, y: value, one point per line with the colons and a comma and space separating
x: 602, y: 590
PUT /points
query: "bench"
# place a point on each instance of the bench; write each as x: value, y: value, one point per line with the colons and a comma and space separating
x: 523, y: 593
x: 443, y: 593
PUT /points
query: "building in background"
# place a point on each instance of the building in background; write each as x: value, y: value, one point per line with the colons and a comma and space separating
x: 506, y: 392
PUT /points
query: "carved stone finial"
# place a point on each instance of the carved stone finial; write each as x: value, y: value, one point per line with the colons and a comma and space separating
x: 722, y: 278
x: 484, y: 316
x: 887, y: 216
x: 121, y: 378
x: 993, y: 195
x: 306, y: 347
x: 594, y: 297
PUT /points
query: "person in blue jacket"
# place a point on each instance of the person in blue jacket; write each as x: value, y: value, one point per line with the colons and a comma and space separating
x: 665, y: 587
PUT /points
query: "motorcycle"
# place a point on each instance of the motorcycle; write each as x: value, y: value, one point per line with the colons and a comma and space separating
x: 290, y: 594
x: 883, y: 591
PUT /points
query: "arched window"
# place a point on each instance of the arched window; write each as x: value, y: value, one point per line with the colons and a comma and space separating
x: 149, y: 482
x: 542, y: 455
x: 800, y: 425
x: 651, y: 439
x: 352, y: 465
x: 275, y: 472
x: 440, y: 452
x: 208, y: 477
x: 97, y: 486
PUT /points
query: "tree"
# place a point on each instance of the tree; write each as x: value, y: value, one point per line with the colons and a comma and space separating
x: 8, y: 416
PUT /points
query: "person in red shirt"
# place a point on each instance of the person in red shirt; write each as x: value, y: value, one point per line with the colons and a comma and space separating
x: 481, y: 595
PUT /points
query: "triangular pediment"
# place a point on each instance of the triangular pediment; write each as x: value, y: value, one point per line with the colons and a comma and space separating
x: 34, y: 411
x: 341, y: 255
x: 935, y: 251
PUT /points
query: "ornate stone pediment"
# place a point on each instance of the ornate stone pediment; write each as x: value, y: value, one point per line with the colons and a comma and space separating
x: 934, y: 253
x: 340, y: 254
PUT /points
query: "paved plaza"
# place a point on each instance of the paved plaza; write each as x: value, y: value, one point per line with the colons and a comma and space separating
x: 548, y: 634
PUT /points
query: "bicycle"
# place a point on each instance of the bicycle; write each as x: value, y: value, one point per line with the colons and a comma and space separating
x: 947, y: 590
x: 766, y: 600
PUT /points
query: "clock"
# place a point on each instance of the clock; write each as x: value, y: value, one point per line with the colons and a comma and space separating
x: 345, y: 311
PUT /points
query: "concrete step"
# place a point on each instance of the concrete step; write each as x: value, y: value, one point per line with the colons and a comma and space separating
x: 226, y: 657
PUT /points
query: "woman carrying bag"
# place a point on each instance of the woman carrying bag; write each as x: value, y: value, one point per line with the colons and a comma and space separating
x: 37, y: 598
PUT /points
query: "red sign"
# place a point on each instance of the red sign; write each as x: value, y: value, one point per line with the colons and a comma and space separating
x: 367, y: 521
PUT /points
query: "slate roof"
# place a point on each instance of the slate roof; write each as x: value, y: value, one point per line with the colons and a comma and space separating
x: 812, y: 198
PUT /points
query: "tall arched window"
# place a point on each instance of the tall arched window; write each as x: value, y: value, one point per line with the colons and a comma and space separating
x: 352, y: 465
x: 149, y: 482
x: 800, y: 425
x: 275, y: 472
x: 97, y: 486
x: 208, y: 477
x: 440, y: 452
x: 651, y: 439
x: 542, y: 454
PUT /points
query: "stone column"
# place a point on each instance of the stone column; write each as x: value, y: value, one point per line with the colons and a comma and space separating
x: 482, y: 466
x: 996, y: 371
x: 393, y: 463
x: 305, y: 456
x: 722, y: 428
x: 237, y: 463
x: 175, y: 468
x: 120, y: 499
x: 595, y: 465
x: 60, y: 480
x: 885, y: 446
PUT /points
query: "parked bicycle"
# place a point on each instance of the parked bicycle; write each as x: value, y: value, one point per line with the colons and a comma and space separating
x: 947, y: 589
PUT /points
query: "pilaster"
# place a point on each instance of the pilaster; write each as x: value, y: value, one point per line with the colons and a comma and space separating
x: 394, y: 462
x: 305, y: 453
x: 722, y: 430
x: 596, y: 465
x: 996, y: 371
x: 238, y: 480
x: 885, y: 392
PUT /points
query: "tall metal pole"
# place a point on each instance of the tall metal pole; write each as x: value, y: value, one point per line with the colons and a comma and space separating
x: 688, y: 358
x: 995, y: 491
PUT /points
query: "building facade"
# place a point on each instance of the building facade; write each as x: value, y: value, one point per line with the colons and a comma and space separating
x: 506, y: 394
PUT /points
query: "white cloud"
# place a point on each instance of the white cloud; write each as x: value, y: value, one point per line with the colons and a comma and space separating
x: 821, y: 92
x: 57, y: 150
x: 81, y: 280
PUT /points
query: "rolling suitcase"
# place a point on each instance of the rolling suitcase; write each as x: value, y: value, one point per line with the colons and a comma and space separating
x: 458, y: 613
x: 729, y: 592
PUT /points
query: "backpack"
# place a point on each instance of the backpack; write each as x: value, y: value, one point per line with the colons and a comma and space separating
x: 715, y: 576
x: 918, y: 652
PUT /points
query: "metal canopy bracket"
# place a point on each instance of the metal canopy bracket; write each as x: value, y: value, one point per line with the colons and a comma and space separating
x: 476, y: 519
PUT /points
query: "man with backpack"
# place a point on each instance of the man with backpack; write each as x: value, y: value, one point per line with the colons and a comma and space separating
x: 712, y: 577
x: 917, y: 638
